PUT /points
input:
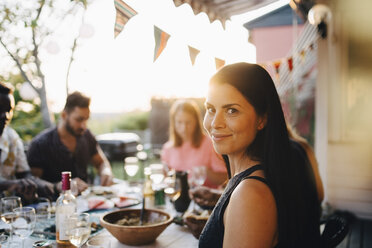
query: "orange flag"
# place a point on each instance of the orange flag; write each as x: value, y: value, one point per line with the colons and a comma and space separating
x: 193, y: 53
x: 161, y: 39
x: 219, y: 63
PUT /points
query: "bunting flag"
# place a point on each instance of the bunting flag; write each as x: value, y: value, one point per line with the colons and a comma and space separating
x: 161, y: 39
x: 277, y: 65
x: 219, y: 63
x: 290, y: 63
x: 302, y: 55
x: 123, y: 13
x: 193, y: 53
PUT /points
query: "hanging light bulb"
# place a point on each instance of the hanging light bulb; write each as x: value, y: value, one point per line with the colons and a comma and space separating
x: 320, y: 15
x: 86, y: 31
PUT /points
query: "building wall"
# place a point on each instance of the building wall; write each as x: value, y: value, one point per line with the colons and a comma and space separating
x: 273, y: 42
x: 343, y: 139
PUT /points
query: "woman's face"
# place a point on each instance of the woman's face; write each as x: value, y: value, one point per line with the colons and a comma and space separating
x: 231, y: 121
x: 184, y: 124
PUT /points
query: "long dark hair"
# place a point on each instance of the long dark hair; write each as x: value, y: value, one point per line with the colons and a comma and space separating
x: 286, y: 168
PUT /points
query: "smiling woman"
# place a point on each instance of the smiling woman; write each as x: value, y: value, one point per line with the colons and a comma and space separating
x: 263, y: 204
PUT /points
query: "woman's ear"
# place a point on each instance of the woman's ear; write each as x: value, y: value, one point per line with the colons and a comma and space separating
x: 262, y: 122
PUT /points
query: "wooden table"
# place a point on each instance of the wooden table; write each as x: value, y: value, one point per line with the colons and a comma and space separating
x: 173, y: 236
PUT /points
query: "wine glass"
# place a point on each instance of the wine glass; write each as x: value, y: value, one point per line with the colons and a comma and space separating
x: 157, y: 174
x: 197, y: 177
x: 8, y: 204
x: 131, y: 166
x: 79, y: 229
x: 43, y: 210
x: 25, y: 223
x: 173, y: 185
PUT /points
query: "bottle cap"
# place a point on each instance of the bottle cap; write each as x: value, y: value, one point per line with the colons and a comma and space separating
x: 66, y: 178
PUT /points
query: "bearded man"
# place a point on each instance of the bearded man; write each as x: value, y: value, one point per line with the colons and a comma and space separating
x: 69, y: 147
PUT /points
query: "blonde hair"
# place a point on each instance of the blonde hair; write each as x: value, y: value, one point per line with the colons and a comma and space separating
x: 188, y: 106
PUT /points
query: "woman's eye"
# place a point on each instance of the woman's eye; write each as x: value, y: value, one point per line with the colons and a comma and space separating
x: 231, y: 111
x: 210, y: 110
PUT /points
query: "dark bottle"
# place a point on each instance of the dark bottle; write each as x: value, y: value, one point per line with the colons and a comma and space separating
x: 183, y: 201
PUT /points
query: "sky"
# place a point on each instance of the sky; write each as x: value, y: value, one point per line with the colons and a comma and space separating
x: 119, y: 73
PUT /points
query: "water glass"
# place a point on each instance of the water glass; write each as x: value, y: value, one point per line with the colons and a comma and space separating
x: 25, y: 223
x: 99, y: 242
x: 197, y: 176
x: 8, y: 204
x: 79, y: 228
x: 43, y: 210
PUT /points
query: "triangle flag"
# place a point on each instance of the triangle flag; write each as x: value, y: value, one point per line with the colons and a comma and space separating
x: 277, y: 65
x: 193, y: 53
x: 161, y: 39
x: 123, y: 13
x: 290, y: 63
x: 219, y: 63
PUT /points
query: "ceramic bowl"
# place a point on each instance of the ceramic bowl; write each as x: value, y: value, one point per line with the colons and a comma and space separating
x: 130, y: 232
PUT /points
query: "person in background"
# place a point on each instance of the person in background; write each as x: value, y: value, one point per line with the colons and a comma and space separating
x: 271, y: 198
x: 15, y: 174
x: 188, y: 146
x: 69, y: 147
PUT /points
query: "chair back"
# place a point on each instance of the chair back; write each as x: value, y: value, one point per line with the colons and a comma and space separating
x: 335, y: 230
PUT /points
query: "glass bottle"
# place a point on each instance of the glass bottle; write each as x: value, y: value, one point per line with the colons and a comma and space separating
x: 65, y: 206
x: 182, y: 203
x: 148, y: 192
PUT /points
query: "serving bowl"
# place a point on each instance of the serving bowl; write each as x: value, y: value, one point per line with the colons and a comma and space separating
x: 124, y: 225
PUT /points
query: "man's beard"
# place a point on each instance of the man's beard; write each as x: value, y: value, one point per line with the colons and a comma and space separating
x: 72, y: 131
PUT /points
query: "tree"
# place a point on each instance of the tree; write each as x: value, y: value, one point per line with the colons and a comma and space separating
x: 25, y: 26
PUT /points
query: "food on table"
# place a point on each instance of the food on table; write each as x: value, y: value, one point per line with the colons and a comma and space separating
x: 134, y: 220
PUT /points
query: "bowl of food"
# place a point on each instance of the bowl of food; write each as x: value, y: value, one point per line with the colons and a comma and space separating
x: 196, y: 221
x: 125, y: 226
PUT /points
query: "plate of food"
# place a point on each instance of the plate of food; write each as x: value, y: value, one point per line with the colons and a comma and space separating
x: 100, y: 202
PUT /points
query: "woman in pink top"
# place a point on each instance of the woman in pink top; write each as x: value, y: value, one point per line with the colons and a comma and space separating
x: 188, y: 147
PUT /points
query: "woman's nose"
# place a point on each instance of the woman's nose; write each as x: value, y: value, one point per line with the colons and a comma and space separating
x: 218, y: 121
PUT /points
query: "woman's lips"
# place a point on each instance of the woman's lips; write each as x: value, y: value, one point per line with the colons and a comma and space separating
x: 219, y: 137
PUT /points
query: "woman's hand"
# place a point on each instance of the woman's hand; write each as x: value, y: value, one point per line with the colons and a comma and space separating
x: 204, y: 196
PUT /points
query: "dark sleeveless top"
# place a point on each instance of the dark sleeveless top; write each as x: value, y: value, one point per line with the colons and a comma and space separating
x: 213, y: 232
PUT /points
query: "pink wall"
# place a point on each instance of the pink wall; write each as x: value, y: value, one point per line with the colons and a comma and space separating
x: 273, y: 42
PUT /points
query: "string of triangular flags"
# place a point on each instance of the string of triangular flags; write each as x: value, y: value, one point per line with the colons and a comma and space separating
x: 161, y: 39
x: 279, y: 64
x: 124, y: 12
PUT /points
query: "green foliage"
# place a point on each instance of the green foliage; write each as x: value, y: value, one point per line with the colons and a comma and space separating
x: 28, y: 124
x: 137, y: 120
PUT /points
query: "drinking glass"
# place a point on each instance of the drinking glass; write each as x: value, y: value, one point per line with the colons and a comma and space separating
x: 197, y: 177
x: 157, y: 174
x: 43, y: 210
x: 99, y: 242
x: 131, y: 166
x: 8, y: 204
x: 79, y: 229
x: 173, y: 186
x: 25, y: 223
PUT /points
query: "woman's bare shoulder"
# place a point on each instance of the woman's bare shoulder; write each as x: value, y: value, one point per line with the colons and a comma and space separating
x: 251, y: 216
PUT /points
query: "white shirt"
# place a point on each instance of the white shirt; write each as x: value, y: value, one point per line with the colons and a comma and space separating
x: 12, y: 157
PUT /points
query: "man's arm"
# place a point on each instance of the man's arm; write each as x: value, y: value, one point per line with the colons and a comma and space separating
x: 103, y: 167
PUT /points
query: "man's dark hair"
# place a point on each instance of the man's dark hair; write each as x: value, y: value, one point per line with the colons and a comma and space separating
x: 6, y: 89
x: 76, y: 99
